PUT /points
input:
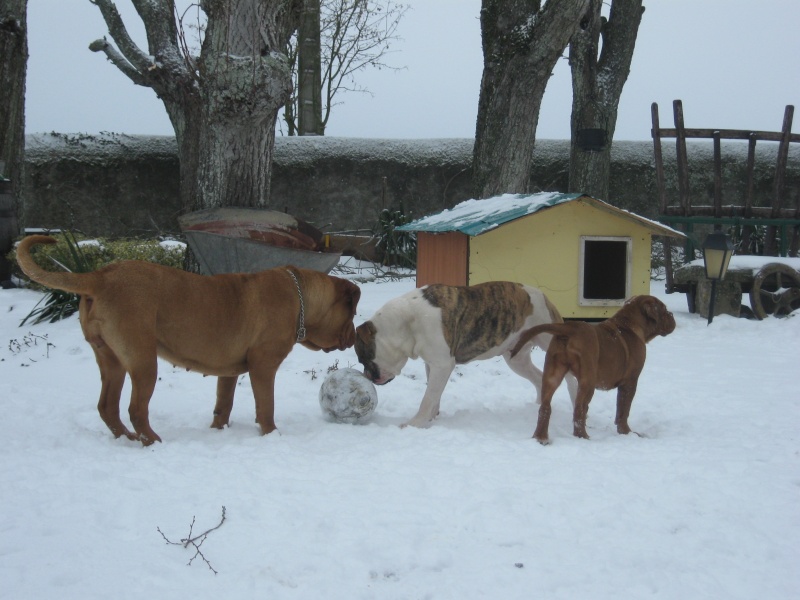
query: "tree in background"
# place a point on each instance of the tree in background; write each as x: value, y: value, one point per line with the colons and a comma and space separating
x: 223, y: 102
x: 521, y: 43
x: 13, y: 64
x: 600, y: 55
x: 353, y: 35
x: 309, y: 71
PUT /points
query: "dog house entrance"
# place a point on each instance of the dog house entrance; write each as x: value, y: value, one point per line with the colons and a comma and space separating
x: 605, y: 270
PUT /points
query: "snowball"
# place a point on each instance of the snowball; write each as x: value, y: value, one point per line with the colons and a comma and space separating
x: 346, y: 396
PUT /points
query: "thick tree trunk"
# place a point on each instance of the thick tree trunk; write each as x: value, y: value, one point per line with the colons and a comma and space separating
x: 521, y: 44
x: 222, y: 105
x: 309, y: 72
x: 13, y: 65
x: 598, y: 76
x: 246, y: 80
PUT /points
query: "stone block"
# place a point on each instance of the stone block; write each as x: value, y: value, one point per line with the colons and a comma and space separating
x: 728, y: 300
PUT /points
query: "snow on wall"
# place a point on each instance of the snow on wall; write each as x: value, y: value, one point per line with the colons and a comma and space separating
x: 116, y: 184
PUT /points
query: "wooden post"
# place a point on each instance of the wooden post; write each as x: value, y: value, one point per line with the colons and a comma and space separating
x: 656, y: 133
x: 747, y: 230
x: 662, y: 194
x: 683, y: 162
x: 780, y: 171
x: 717, y: 179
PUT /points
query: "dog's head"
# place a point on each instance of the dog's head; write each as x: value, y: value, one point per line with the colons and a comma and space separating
x: 372, y: 350
x: 335, y: 330
x: 651, y: 314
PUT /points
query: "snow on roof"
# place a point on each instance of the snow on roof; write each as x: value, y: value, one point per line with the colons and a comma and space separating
x: 474, y: 217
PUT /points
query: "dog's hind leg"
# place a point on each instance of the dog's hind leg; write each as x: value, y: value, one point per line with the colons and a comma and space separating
x: 572, y: 387
x: 581, y: 409
x: 143, y: 381
x: 554, y: 371
x: 112, y: 378
x: 226, y: 386
x: 522, y: 365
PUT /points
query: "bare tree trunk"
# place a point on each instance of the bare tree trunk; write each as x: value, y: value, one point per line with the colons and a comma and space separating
x: 13, y: 65
x: 598, y: 76
x: 521, y: 44
x: 246, y: 80
x: 223, y: 104
x: 309, y: 71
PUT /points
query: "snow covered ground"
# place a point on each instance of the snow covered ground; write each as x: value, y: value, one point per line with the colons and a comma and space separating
x: 705, y: 504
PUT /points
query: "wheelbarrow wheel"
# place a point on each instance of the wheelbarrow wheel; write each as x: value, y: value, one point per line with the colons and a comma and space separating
x: 775, y: 291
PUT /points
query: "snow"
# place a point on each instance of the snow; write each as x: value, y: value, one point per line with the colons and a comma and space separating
x: 752, y: 263
x: 486, y: 209
x: 703, y: 505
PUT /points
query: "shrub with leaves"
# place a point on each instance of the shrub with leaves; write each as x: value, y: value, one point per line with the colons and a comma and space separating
x: 85, y: 255
x: 398, y: 248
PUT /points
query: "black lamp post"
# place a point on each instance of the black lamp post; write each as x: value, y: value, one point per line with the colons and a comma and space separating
x: 717, y: 251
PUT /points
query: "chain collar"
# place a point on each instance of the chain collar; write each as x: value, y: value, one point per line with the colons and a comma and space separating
x: 301, y: 327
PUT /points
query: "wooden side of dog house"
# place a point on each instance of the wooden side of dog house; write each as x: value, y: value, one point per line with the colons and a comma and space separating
x: 442, y: 258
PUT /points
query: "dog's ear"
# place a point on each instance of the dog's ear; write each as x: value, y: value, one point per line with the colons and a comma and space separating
x: 657, y: 311
x: 354, y: 293
x: 350, y: 294
x: 366, y: 332
x: 652, y: 310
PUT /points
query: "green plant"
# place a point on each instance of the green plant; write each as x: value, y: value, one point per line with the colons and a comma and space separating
x: 398, y: 248
x: 84, y: 255
x: 59, y: 304
x: 658, y: 258
x: 752, y: 244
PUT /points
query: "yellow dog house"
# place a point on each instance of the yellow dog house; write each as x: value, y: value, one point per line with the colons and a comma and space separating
x: 587, y: 256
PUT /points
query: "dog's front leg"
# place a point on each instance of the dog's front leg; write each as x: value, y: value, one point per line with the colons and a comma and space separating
x: 226, y: 386
x: 262, y: 378
x: 625, y: 394
x: 438, y: 376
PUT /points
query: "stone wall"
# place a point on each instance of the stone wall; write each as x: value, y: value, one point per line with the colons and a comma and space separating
x: 119, y: 185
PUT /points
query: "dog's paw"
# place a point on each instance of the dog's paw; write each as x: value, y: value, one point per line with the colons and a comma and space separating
x: 149, y: 440
x: 418, y: 423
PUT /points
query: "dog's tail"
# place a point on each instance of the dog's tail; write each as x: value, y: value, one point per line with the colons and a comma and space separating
x: 527, y: 335
x: 76, y: 283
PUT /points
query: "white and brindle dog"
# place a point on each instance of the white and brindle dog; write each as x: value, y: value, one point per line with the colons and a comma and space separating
x: 447, y: 325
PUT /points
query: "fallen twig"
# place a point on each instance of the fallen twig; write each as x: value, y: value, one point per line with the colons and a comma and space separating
x: 195, y: 541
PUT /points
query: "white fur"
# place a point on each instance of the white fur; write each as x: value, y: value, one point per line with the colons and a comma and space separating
x: 410, y: 327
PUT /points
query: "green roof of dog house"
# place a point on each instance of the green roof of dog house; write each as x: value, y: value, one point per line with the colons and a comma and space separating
x: 474, y: 217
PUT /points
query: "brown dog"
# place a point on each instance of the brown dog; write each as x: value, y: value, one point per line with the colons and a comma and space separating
x: 222, y: 325
x: 603, y: 356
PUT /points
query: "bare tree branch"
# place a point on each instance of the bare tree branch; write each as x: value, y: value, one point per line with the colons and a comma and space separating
x: 119, y: 61
x: 355, y: 35
x: 137, y: 59
x: 195, y: 541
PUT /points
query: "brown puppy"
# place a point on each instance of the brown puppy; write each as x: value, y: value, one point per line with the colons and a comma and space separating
x: 222, y: 325
x: 603, y: 356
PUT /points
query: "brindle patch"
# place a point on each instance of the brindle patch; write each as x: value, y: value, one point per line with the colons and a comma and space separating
x: 480, y: 317
x: 365, y: 349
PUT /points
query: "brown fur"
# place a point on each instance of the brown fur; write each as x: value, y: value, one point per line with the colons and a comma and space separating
x: 222, y: 325
x: 469, y: 327
x: 603, y: 356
